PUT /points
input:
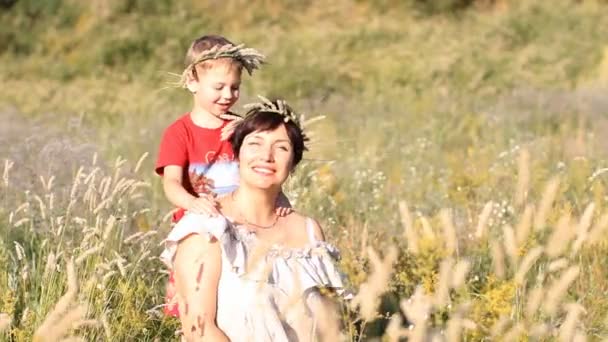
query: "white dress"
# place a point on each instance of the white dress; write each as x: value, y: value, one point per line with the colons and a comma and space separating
x: 257, y: 304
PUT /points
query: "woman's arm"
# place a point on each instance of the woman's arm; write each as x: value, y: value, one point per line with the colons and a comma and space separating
x: 198, y: 266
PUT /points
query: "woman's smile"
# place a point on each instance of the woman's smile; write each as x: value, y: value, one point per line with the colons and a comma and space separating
x: 264, y: 170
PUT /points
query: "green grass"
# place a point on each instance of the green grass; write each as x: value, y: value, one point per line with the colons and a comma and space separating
x: 426, y: 102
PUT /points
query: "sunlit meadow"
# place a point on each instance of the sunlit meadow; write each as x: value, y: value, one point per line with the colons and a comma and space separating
x: 462, y: 167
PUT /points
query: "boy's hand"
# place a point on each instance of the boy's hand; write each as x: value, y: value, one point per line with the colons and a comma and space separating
x: 229, y: 128
x: 283, y: 207
x: 204, y: 204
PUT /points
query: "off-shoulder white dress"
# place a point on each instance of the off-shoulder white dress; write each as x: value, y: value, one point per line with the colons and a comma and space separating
x: 257, y: 304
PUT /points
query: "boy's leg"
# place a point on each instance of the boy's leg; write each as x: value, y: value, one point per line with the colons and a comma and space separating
x: 171, y: 305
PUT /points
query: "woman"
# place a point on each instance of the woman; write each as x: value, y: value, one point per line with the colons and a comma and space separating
x: 250, y: 274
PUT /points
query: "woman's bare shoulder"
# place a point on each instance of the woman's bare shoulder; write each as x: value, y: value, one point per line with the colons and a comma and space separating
x: 297, y: 219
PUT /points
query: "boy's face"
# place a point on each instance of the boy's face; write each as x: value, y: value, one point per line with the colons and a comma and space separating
x: 217, y: 88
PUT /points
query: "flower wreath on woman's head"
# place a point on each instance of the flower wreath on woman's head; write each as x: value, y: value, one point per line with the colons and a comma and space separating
x: 282, y: 108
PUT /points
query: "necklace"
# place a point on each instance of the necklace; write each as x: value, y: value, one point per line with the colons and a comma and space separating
x: 247, y: 222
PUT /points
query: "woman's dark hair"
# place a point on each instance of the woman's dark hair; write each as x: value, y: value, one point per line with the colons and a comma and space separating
x: 258, y: 119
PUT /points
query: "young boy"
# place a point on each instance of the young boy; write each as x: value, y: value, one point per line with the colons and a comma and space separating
x: 195, y: 159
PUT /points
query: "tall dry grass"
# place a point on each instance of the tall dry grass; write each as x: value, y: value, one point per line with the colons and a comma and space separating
x: 97, y: 232
x: 85, y: 266
x: 82, y: 258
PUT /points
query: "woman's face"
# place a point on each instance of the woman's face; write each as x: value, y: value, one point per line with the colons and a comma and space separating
x: 265, y: 158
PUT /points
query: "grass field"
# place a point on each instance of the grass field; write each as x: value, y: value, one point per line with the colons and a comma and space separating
x: 462, y: 168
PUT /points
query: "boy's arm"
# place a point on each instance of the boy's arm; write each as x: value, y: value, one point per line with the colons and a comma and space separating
x: 198, y: 266
x: 178, y: 196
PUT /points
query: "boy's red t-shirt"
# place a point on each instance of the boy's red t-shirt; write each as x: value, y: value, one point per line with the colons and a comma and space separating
x: 208, y: 162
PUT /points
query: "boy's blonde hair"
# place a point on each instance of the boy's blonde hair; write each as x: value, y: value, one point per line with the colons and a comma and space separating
x: 204, y: 44
x: 207, y: 51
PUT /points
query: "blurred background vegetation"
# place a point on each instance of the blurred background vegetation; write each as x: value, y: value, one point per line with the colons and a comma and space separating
x: 429, y: 101
x: 427, y: 83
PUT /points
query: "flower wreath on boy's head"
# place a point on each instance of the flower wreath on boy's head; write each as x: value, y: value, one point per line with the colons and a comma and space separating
x: 250, y: 58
